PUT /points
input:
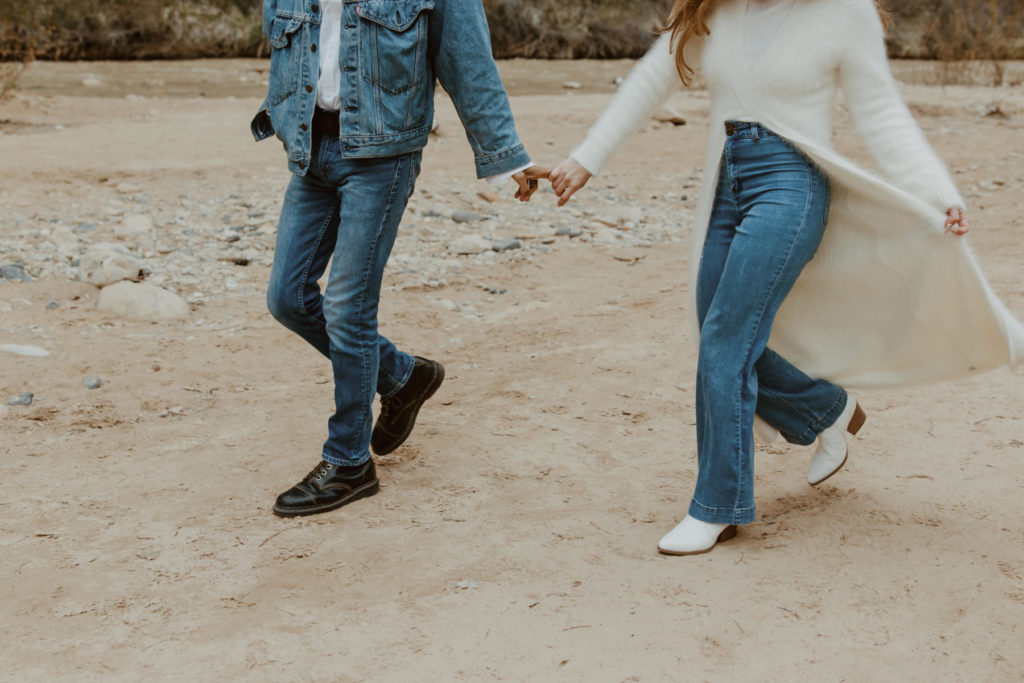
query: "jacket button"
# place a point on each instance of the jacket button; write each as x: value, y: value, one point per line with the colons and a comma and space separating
x: 315, y: 8
x: 312, y: 48
x: 350, y: 108
x: 350, y: 25
x: 350, y: 68
x: 309, y: 88
x: 302, y: 165
x: 303, y: 126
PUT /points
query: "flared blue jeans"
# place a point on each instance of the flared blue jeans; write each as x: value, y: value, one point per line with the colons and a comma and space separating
x: 769, y: 216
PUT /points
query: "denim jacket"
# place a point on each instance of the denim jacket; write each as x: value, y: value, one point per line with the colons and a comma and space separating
x: 392, y: 53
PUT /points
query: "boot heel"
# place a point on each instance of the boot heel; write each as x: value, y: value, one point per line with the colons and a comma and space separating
x: 857, y: 421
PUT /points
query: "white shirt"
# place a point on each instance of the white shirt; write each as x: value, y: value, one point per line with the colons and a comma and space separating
x: 328, y: 84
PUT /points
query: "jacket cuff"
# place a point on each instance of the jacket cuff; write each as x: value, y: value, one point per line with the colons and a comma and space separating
x: 261, y: 126
x: 508, y: 159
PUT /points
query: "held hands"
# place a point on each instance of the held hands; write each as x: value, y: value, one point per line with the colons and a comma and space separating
x: 956, y: 221
x: 528, y: 181
x: 565, y: 178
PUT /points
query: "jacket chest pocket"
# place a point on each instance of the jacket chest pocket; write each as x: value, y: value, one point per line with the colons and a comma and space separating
x: 285, y: 58
x: 393, y: 42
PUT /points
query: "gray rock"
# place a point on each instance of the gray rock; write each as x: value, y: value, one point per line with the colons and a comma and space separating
x: 470, y: 244
x: 466, y: 217
x: 14, y: 271
x: 566, y: 231
x: 85, y: 226
x: 506, y: 245
x: 140, y: 301
x: 105, y: 264
x: 22, y: 399
x: 92, y: 382
x: 24, y: 350
x: 52, y: 304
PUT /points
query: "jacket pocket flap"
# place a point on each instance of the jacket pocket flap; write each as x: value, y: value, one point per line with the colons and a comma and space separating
x: 282, y: 30
x: 397, y: 16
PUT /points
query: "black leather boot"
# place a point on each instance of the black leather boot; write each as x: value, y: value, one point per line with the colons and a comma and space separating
x: 398, y: 412
x: 328, y: 487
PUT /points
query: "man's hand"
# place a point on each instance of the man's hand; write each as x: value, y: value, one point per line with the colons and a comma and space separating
x: 956, y: 221
x: 568, y: 177
x: 528, y: 181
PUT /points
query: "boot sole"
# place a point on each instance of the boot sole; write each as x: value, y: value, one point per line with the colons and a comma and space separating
x: 431, y: 390
x: 727, y: 533
x: 368, y: 489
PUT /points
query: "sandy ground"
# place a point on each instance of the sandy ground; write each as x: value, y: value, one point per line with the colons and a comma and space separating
x: 514, y: 535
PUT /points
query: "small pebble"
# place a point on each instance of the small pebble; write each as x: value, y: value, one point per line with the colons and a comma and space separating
x: 14, y: 271
x: 92, y: 382
x: 22, y: 399
x: 466, y: 216
x: 52, y: 304
x: 566, y: 231
x: 24, y: 350
x: 506, y: 245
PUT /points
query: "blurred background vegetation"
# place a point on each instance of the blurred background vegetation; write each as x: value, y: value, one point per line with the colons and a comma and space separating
x: 157, y: 29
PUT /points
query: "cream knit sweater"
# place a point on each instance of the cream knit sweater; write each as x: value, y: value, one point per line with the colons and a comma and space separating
x: 889, y: 298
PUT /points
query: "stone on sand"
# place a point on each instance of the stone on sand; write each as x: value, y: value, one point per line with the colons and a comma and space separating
x: 104, y: 265
x: 24, y: 350
x: 470, y: 244
x: 141, y: 301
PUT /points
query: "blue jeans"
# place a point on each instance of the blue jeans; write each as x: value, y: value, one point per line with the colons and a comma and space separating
x: 348, y: 209
x: 769, y: 216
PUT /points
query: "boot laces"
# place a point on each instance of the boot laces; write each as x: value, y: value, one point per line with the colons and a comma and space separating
x: 320, y: 471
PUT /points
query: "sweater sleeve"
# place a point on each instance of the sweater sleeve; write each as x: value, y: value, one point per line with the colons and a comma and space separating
x: 647, y: 87
x: 881, y: 117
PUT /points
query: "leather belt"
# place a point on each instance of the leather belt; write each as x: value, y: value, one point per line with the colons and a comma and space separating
x: 325, y: 122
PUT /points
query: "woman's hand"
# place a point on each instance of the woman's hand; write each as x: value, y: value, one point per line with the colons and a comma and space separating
x: 956, y: 221
x: 568, y: 177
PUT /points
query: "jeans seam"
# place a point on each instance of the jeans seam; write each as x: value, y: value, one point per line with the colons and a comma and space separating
x: 366, y: 405
x: 772, y: 286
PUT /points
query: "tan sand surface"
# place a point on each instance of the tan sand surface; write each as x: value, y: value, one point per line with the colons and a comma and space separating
x: 514, y: 535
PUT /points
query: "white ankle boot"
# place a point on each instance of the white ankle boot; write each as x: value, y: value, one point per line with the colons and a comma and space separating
x: 831, y: 454
x: 692, y: 537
